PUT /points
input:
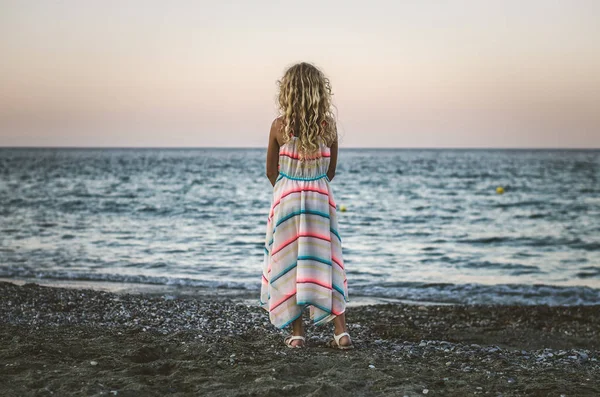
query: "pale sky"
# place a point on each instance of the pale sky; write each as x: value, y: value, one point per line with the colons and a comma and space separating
x: 429, y: 73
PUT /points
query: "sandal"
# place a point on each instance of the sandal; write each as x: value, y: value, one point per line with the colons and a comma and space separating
x: 288, y: 341
x: 335, y: 342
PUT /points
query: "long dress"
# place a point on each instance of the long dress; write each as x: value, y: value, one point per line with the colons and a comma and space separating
x: 303, y: 264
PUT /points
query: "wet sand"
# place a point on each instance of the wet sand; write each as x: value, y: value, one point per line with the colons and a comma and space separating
x: 59, y: 342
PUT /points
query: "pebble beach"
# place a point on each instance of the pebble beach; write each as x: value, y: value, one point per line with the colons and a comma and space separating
x: 66, y: 341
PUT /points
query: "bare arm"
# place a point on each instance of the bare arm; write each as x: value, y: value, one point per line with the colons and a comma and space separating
x: 273, y: 153
x: 333, y: 159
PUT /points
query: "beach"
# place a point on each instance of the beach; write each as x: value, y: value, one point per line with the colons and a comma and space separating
x: 69, y: 341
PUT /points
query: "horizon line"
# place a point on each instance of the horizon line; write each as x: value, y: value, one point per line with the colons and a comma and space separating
x: 340, y: 148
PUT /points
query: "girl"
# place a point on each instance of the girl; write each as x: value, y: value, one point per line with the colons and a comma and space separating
x: 303, y: 263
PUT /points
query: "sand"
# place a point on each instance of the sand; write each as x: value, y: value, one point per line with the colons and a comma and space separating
x: 64, y: 341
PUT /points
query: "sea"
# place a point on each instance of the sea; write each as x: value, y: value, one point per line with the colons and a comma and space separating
x: 422, y: 225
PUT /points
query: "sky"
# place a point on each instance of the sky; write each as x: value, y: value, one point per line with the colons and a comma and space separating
x: 429, y: 73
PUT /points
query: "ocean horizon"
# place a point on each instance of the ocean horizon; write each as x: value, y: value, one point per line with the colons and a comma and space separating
x: 351, y: 148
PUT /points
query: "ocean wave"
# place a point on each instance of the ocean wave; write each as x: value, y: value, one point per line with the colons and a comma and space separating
x: 519, y: 204
x: 503, y: 266
x: 126, y: 278
x: 498, y: 294
x: 589, y: 272
x: 441, y: 293
x: 541, y: 241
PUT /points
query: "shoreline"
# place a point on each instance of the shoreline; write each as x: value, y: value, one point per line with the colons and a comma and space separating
x: 65, y: 341
x: 243, y: 295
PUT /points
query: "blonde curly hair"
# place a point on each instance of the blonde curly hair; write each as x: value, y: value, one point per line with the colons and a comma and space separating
x: 306, y: 109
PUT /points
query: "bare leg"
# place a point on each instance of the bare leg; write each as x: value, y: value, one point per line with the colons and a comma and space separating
x: 297, y: 329
x: 339, y: 323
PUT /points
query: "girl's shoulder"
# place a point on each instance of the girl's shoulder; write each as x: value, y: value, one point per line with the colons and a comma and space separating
x: 279, y: 126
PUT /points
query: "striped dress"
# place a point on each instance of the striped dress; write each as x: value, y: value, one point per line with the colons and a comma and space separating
x: 303, y: 264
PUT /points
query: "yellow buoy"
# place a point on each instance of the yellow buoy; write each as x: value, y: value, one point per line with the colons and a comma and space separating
x: 499, y: 190
x: 343, y: 208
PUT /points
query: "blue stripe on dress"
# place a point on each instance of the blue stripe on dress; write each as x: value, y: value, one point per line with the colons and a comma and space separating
x: 297, y: 178
x: 307, y: 212
x: 287, y: 269
x: 315, y: 305
x: 338, y: 289
x: 291, y: 321
x: 332, y: 230
x: 314, y: 258
x: 321, y: 317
